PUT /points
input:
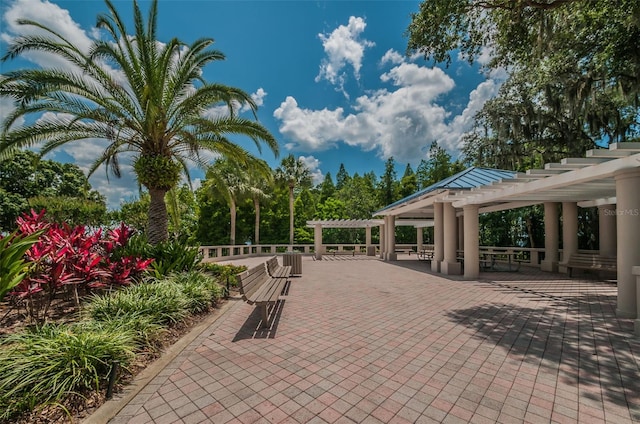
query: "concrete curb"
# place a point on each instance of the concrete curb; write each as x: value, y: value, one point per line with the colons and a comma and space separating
x: 110, y: 408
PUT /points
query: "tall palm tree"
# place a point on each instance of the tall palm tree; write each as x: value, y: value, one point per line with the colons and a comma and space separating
x: 144, y: 97
x: 293, y: 173
x: 227, y: 180
x: 260, y: 179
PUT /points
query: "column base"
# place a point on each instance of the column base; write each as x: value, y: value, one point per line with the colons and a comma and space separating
x: 549, y: 266
x: 627, y: 314
x: 435, y: 265
x: 392, y: 256
x: 451, y: 268
x: 318, y: 256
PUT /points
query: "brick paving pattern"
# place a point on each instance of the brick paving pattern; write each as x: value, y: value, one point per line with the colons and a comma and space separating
x: 366, y: 341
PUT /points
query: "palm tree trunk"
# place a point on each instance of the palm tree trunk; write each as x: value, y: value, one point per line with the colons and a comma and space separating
x: 232, y: 210
x: 256, y: 204
x: 158, y: 225
x: 291, y: 215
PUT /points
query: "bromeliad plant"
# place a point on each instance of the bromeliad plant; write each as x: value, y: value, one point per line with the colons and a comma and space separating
x: 72, y: 260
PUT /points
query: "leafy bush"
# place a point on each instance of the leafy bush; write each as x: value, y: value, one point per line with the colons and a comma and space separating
x: 161, y: 300
x: 201, y: 290
x: 147, y: 332
x: 13, y: 266
x: 47, y: 363
x: 65, y: 257
x: 168, y: 257
x: 224, y: 273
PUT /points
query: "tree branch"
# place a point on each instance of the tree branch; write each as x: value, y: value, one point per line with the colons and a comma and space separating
x: 513, y: 4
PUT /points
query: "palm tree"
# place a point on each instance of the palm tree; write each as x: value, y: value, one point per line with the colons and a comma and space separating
x: 260, y: 180
x: 293, y: 173
x: 225, y: 179
x: 145, y: 98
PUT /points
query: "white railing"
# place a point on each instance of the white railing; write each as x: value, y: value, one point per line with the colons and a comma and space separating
x: 526, y: 255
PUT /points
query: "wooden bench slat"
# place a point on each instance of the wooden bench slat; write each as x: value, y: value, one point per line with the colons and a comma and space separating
x: 258, y: 287
x: 276, y: 270
x: 590, y: 261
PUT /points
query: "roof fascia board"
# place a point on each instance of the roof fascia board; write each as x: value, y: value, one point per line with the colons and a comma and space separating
x: 565, y: 179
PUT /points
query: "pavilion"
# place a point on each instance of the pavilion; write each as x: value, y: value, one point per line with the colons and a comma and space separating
x: 606, y: 178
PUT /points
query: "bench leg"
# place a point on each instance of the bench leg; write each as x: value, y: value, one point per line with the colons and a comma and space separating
x: 264, y: 312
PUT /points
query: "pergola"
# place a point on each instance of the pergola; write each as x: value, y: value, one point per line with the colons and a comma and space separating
x: 606, y: 178
x: 367, y: 224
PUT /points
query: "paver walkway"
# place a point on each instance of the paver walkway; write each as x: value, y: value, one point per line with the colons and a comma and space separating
x: 375, y: 342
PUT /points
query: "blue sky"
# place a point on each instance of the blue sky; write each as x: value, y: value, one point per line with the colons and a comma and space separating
x: 331, y: 77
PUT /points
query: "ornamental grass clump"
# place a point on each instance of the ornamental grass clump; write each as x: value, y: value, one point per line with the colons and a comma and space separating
x: 201, y: 290
x: 45, y: 364
x: 162, y: 301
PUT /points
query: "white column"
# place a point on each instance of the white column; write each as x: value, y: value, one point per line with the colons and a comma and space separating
x: 628, y: 229
x: 471, y: 242
x: 636, y: 325
x: 607, y: 231
x: 420, y: 237
x: 438, y: 237
x: 317, y: 240
x: 569, y: 231
x: 391, y: 239
x: 450, y: 264
x: 550, y: 262
x: 383, y: 239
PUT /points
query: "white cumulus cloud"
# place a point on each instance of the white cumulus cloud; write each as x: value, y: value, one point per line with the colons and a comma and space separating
x: 54, y: 18
x: 343, y: 48
x: 401, y: 121
x: 313, y: 165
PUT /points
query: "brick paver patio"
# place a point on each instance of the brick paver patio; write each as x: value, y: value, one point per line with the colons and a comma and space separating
x: 361, y: 340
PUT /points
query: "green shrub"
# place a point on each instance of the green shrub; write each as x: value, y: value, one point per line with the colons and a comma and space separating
x: 13, y: 265
x: 47, y: 363
x: 161, y: 300
x: 224, y: 273
x: 169, y: 256
x: 201, y: 290
x: 147, y: 332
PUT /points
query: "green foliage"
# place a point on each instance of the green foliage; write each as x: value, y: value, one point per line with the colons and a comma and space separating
x: 13, y: 266
x: 223, y: 273
x: 201, y: 290
x: 163, y: 302
x: 70, y: 210
x: 47, y: 363
x: 169, y: 256
x: 140, y: 106
x: 573, y: 69
x: 147, y: 333
x: 156, y: 171
x: 27, y: 182
x: 134, y: 212
x: 388, y: 185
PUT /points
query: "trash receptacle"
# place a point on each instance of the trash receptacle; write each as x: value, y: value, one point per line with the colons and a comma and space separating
x: 294, y: 260
x: 371, y: 251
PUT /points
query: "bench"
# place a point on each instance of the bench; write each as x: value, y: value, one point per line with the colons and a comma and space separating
x: 407, y: 251
x: 258, y: 288
x: 591, y: 261
x: 425, y: 255
x: 276, y: 271
x: 342, y: 252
